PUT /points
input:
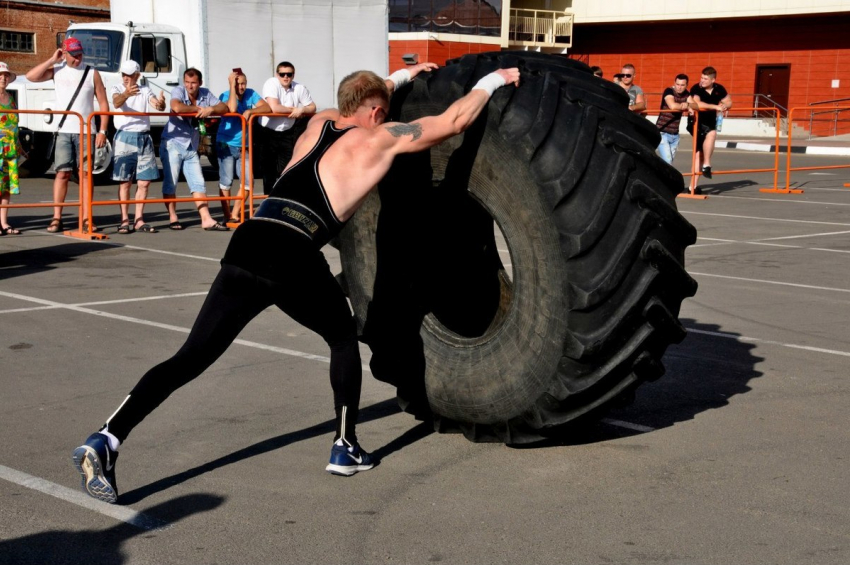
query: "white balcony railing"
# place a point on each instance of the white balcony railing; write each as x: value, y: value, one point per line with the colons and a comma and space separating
x: 540, y: 28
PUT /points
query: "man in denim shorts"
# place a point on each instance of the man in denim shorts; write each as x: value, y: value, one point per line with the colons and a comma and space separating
x: 240, y: 100
x: 65, y: 66
x: 178, y: 149
x: 133, y: 146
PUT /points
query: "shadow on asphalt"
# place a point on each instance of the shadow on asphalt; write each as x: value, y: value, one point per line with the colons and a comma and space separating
x: 703, y: 373
x: 708, y: 188
x: 32, y: 261
x: 369, y: 413
x: 59, y: 547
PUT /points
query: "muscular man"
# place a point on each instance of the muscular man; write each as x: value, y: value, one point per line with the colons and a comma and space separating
x: 711, y: 97
x: 66, y: 69
x: 337, y: 161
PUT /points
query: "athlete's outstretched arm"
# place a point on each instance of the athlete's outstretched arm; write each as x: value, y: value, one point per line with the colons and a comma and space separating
x: 432, y: 130
x: 403, y: 76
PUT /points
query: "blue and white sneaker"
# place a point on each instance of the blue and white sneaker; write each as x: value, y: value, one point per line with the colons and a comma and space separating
x: 347, y: 461
x: 95, y: 461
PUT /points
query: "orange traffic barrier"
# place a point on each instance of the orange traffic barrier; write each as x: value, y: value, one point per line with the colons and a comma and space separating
x: 788, y: 168
x: 79, y: 164
x: 696, y: 119
x: 775, y: 169
x: 90, y: 234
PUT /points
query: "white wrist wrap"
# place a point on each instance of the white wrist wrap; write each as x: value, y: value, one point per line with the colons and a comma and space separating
x: 399, y: 78
x: 490, y: 83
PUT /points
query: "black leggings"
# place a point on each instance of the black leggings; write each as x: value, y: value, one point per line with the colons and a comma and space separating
x: 311, y: 297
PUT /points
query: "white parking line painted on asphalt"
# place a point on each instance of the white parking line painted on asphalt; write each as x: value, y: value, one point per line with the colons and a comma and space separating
x: 802, y: 236
x: 627, y: 425
x: 687, y: 212
x: 780, y: 283
x: 764, y: 243
x: 779, y: 200
x: 771, y: 342
x: 122, y: 513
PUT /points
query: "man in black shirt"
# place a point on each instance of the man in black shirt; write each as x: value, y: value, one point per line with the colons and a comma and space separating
x: 711, y: 98
x: 674, y: 98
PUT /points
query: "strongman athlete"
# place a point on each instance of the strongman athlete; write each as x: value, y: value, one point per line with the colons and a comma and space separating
x: 337, y: 161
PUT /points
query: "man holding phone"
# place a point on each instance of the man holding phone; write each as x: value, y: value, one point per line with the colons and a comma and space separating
x: 284, y: 96
x: 240, y: 100
x: 134, y: 153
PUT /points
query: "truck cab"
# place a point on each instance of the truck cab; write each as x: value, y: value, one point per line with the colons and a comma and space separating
x: 159, y: 49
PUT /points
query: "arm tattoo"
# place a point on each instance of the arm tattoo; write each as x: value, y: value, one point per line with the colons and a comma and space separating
x: 406, y: 129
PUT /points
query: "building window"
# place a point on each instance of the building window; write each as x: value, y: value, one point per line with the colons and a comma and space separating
x: 17, y: 41
x: 466, y: 17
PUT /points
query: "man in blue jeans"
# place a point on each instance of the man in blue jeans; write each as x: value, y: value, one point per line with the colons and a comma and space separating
x: 674, y: 98
x: 240, y: 100
x: 179, y: 146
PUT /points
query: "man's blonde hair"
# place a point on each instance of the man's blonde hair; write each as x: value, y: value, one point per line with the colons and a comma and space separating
x: 357, y: 88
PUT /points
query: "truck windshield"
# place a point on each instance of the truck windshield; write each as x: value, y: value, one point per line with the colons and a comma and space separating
x: 102, y: 48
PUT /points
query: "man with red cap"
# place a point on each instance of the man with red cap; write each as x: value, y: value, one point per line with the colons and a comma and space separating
x: 65, y: 66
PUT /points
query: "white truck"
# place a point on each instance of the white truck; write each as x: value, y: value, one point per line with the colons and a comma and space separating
x: 324, y: 39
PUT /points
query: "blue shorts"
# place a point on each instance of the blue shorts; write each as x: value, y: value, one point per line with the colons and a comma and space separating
x: 134, y: 157
x: 229, y: 164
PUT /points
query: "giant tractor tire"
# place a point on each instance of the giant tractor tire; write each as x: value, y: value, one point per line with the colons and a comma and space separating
x: 531, y: 268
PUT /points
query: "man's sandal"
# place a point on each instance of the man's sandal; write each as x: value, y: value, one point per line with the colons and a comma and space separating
x: 145, y: 228
x: 94, y: 228
x: 125, y: 227
x: 55, y: 226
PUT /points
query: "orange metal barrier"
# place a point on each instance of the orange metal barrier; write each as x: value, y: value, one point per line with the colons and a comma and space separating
x: 251, y: 195
x: 788, y: 168
x: 55, y: 204
x: 695, y: 164
x: 92, y: 235
x: 694, y: 146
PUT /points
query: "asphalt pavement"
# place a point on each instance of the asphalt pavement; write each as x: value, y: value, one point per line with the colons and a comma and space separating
x: 738, y: 454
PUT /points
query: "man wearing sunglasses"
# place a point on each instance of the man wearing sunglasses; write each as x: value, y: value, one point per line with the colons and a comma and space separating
x: 626, y: 79
x: 284, y: 96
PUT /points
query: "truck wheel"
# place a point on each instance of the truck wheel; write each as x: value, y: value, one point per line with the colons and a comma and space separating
x: 540, y: 255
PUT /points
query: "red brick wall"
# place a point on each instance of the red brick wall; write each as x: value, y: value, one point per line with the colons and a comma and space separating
x: 434, y: 51
x: 817, y: 48
x: 45, y: 23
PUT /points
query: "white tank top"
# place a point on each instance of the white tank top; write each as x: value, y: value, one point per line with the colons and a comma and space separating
x: 66, y: 80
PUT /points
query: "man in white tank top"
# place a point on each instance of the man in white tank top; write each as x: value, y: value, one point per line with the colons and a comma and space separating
x: 66, y: 68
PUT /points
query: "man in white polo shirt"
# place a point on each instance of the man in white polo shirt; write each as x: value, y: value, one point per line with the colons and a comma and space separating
x: 134, y: 154
x: 284, y: 96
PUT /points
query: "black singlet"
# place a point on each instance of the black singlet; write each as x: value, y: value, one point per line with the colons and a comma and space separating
x: 297, y: 211
x: 298, y: 199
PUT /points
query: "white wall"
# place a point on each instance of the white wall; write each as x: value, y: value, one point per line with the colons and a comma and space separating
x: 588, y: 11
x: 324, y: 39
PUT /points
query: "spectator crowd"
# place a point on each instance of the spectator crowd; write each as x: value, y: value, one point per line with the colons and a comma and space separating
x: 282, y: 102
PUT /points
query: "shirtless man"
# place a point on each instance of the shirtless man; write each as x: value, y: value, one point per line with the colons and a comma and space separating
x: 352, y: 149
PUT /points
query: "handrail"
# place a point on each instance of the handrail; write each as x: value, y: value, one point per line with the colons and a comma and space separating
x: 788, y: 168
x: 829, y: 101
